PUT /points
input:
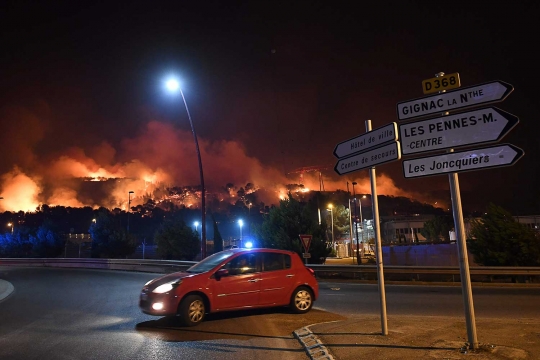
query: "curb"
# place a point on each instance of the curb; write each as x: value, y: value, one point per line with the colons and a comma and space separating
x: 311, y: 344
x: 5, y: 289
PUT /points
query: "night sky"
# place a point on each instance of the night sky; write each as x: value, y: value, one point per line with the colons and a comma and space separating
x: 271, y: 87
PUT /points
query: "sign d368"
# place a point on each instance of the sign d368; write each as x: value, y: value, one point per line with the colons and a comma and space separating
x: 446, y: 82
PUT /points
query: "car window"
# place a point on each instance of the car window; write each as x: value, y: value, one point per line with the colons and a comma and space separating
x: 287, y: 261
x: 243, y: 264
x: 272, y: 262
x: 275, y: 261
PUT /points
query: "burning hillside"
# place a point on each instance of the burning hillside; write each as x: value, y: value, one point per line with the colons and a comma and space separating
x: 159, y: 164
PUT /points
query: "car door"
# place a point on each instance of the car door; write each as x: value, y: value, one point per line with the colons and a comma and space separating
x: 241, y: 287
x: 277, y: 279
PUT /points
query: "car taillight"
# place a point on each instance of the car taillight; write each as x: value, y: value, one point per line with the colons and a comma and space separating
x: 311, y: 271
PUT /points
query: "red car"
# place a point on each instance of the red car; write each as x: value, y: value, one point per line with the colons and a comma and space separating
x: 232, y: 280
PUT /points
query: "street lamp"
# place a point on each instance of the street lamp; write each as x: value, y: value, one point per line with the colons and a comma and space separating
x: 11, y: 224
x: 129, y: 207
x: 358, y: 260
x: 173, y: 86
x: 330, y: 206
x: 241, y: 223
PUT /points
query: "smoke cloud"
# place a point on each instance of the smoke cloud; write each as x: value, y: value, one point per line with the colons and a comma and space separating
x: 159, y: 156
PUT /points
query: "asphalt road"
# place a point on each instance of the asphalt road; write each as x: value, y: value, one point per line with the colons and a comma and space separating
x: 353, y: 299
x: 93, y: 314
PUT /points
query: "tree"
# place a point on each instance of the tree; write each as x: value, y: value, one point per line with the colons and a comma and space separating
x: 436, y: 228
x: 109, y: 238
x: 283, y: 225
x: 47, y: 241
x: 218, y: 240
x: 497, y: 239
x: 177, y: 241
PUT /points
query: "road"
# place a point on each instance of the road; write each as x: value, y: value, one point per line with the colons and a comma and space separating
x: 93, y: 314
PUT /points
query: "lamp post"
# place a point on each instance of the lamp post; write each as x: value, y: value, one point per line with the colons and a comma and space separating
x: 330, y: 206
x: 173, y: 85
x: 241, y: 223
x: 358, y: 260
x: 361, y: 219
x: 129, y: 207
x: 11, y: 224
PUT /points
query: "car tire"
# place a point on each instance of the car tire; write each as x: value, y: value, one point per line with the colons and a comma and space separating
x: 192, y: 310
x: 301, y: 300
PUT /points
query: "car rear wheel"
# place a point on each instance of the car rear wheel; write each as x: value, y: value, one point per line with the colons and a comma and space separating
x: 192, y: 310
x: 301, y: 300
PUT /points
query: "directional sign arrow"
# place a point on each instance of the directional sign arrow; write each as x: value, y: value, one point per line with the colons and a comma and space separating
x: 479, y: 159
x: 369, y: 140
x: 482, y: 94
x: 473, y: 127
x: 381, y: 155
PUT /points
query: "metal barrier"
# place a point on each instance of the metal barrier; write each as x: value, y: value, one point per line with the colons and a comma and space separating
x: 358, y: 272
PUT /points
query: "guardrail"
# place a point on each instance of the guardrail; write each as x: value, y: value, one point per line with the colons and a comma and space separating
x: 158, y: 266
x: 358, y: 272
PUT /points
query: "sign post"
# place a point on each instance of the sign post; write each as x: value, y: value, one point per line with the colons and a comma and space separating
x: 306, y: 242
x: 449, y: 131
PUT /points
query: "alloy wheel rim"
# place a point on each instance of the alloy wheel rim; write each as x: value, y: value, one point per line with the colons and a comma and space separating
x: 303, y: 300
x: 196, y: 311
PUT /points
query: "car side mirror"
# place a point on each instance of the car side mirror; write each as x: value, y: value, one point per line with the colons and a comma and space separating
x: 221, y: 273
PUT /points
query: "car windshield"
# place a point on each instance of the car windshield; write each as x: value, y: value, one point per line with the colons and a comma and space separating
x: 210, y: 262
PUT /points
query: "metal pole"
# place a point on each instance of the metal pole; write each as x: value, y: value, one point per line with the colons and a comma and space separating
x: 462, y: 253
x: 350, y: 226
x: 203, y: 190
x: 332, y: 217
x: 361, y: 222
x: 378, y: 249
x: 358, y: 258
x: 463, y: 260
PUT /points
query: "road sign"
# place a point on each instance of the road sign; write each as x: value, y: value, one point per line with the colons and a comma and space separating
x: 482, y: 94
x: 365, y: 160
x: 473, y: 127
x: 478, y: 159
x: 306, y: 241
x: 306, y: 255
x: 436, y: 84
x: 369, y: 140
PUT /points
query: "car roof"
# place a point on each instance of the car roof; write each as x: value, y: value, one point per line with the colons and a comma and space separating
x: 244, y: 250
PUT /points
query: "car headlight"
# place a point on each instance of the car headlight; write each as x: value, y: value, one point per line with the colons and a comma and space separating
x: 166, y: 287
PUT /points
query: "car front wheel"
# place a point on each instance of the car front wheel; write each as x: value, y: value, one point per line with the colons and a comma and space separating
x: 192, y: 310
x: 301, y: 300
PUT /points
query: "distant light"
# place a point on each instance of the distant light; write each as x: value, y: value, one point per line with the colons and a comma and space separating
x: 241, y: 222
x: 248, y: 245
x: 172, y: 85
x: 196, y: 223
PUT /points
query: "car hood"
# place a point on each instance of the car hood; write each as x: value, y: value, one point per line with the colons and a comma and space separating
x: 168, y: 278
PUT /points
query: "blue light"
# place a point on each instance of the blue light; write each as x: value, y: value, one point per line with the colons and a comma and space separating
x: 172, y: 84
x: 248, y: 245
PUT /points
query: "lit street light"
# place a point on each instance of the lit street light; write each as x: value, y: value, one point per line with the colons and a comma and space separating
x: 173, y: 86
x: 11, y: 224
x: 241, y: 223
x: 129, y: 207
x: 330, y: 206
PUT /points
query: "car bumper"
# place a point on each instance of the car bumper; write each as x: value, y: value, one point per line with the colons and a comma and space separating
x: 157, y: 305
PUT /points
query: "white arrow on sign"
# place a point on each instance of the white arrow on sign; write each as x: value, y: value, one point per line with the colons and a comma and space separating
x: 482, y: 94
x: 369, y: 140
x: 479, y: 159
x: 473, y: 127
x: 381, y: 155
